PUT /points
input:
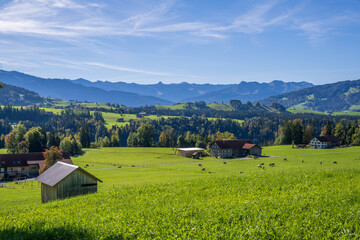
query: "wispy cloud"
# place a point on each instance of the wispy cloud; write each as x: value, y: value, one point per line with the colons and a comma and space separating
x: 70, y: 19
x: 316, y: 30
x: 120, y: 68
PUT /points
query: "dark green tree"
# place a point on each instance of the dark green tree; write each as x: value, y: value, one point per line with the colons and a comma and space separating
x: 84, y: 136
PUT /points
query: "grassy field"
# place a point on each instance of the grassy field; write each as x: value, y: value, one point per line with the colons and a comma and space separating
x: 165, y: 196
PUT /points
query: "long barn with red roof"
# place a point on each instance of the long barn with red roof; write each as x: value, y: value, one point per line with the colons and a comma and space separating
x: 231, y: 148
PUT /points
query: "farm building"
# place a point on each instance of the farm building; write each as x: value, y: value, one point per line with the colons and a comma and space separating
x: 252, y: 149
x: 141, y: 114
x: 322, y: 142
x: 229, y: 148
x: 189, y: 152
x: 64, y: 180
x: 24, y: 164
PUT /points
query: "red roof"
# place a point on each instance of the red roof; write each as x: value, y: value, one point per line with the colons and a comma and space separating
x: 248, y: 145
x: 231, y: 143
x: 24, y: 159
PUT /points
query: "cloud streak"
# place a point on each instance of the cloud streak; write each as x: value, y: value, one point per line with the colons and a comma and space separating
x: 120, y: 68
x: 68, y: 20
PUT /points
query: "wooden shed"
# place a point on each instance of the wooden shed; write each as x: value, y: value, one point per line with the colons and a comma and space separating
x: 188, y: 152
x: 64, y: 180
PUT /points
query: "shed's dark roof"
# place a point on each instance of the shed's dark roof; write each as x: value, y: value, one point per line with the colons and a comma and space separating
x: 24, y: 159
x: 58, y: 172
x: 331, y: 139
x: 231, y: 143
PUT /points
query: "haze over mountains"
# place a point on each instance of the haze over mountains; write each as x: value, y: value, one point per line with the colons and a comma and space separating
x: 132, y: 94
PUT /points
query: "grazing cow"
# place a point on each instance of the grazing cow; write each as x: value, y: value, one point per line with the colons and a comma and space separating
x: 264, y: 168
x: 320, y: 163
x: 224, y: 162
x: 133, y: 166
x: 200, y: 165
x: 285, y: 159
x: 87, y: 165
x: 335, y: 162
x: 261, y: 163
x: 271, y: 164
x: 203, y: 169
x: 241, y: 172
x: 259, y: 166
x: 302, y: 161
x: 119, y: 166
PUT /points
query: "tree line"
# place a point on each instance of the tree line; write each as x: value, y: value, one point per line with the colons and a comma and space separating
x: 74, y: 129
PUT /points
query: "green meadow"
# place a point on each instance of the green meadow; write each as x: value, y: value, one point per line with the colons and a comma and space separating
x: 158, y: 195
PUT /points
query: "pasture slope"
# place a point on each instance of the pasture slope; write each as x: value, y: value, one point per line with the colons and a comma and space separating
x: 157, y: 195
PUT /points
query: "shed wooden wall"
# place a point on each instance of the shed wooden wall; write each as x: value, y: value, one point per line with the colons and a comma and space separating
x: 255, y: 151
x: 48, y: 193
x: 72, y: 185
x: 183, y: 153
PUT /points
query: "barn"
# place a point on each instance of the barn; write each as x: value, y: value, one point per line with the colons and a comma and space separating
x: 252, y: 149
x: 188, y: 152
x: 230, y: 148
x: 64, y: 180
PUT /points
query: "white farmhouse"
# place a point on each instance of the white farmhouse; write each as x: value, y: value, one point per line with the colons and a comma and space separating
x: 322, y: 142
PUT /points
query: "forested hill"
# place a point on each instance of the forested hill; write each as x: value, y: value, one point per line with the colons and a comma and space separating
x: 20, y: 97
x: 338, y: 96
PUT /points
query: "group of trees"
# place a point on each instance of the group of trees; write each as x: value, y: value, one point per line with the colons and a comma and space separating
x: 20, y: 140
x: 348, y: 132
x: 73, y: 129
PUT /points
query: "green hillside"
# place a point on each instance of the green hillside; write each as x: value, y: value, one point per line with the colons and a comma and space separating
x: 165, y: 196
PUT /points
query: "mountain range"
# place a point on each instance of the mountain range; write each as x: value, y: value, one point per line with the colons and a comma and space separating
x: 132, y: 94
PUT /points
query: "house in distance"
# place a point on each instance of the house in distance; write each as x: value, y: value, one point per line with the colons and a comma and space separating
x: 19, y: 165
x: 231, y: 148
x: 321, y: 142
x: 64, y: 180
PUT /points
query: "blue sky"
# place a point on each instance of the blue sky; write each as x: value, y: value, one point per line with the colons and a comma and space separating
x: 196, y: 41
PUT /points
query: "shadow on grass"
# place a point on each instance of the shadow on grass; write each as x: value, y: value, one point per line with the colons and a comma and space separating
x: 53, y: 233
x: 79, y: 154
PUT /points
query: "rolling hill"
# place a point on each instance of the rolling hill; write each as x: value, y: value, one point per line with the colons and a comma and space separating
x: 340, y: 96
x: 21, y: 97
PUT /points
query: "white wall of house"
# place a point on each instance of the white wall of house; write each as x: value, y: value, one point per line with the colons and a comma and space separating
x: 315, y: 143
